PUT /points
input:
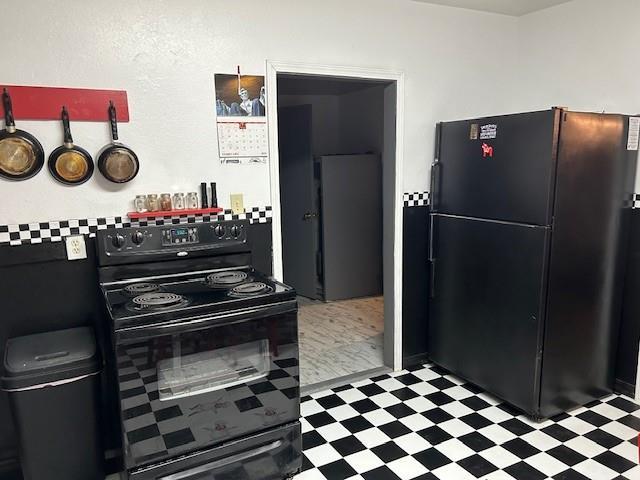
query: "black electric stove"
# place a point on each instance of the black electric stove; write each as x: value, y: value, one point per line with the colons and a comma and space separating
x: 205, y: 353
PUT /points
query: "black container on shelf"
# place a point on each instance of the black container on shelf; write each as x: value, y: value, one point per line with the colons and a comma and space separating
x: 203, y: 195
x: 214, y: 195
x: 52, y: 380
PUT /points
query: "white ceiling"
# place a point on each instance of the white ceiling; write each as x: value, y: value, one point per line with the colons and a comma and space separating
x: 507, y: 7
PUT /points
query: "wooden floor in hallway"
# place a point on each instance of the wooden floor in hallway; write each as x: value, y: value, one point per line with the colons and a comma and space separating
x: 339, y: 338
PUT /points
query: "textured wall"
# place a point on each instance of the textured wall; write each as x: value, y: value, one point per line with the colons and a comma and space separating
x: 165, y: 54
x: 581, y: 55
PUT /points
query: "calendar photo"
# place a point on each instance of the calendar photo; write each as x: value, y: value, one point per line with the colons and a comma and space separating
x: 240, y: 96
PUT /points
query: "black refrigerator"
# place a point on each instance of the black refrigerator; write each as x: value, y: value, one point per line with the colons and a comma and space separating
x: 528, y: 228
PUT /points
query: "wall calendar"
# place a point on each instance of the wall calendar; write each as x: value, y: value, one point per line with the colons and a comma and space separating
x: 242, y: 141
x: 241, y: 118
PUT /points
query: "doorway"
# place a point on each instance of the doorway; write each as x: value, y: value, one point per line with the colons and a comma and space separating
x: 334, y: 190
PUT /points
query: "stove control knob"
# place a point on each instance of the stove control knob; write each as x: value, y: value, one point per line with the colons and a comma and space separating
x: 118, y: 240
x: 219, y: 230
x: 137, y: 237
x: 235, y: 231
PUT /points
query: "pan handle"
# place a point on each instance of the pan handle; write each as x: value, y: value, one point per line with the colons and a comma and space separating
x: 68, y: 139
x: 8, y: 110
x: 113, y: 120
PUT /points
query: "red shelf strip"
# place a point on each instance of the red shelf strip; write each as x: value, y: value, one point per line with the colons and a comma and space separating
x: 174, y: 213
x: 84, y: 104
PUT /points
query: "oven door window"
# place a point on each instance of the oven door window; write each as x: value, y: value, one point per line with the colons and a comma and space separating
x: 190, y: 389
x: 193, y: 371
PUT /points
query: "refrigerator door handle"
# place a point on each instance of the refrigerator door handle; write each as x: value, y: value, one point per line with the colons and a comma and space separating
x: 431, y: 227
x: 435, y: 170
x: 432, y: 259
x: 432, y: 280
x: 434, y: 167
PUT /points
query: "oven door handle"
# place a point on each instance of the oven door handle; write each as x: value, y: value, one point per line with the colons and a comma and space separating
x: 216, y: 464
x: 202, y: 322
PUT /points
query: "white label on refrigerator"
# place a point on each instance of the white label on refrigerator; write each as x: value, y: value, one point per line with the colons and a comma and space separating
x: 634, y: 133
x: 473, y: 133
x: 488, y: 132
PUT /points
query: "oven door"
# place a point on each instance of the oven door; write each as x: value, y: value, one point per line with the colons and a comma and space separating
x: 191, y: 384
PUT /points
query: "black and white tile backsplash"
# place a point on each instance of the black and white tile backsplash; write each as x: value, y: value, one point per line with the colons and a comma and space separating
x: 420, y: 199
x: 56, y: 231
x: 415, y: 199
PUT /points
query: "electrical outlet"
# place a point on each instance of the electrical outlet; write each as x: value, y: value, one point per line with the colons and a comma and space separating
x: 76, y: 247
x: 237, y: 203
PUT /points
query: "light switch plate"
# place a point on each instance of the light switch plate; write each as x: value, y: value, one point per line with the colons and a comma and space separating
x: 76, y: 247
x: 237, y: 203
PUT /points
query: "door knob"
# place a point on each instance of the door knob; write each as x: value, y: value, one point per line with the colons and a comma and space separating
x: 309, y: 216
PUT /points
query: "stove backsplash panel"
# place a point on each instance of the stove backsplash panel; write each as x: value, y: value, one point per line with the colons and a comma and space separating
x: 56, y: 231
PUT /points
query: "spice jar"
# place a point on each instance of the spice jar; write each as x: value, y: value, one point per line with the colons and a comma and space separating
x: 165, y: 202
x: 178, y: 201
x: 152, y: 202
x: 140, y: 203
x: 192, y: 200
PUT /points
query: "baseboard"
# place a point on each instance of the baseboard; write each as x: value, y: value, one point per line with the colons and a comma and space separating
x: 113, y: 461
x: 415, y: 360
x: 10, y: 469
x: 340, y: 381
x: 10, y: 465
x: 624, y: 388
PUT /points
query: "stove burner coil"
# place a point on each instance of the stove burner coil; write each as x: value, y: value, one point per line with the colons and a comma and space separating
x: 158, y: 300
x: 226, y: 279
x: 139, y: 288
x: 250, y: 289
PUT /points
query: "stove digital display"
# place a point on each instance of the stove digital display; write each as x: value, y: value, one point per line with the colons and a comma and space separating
x: 179, y: 236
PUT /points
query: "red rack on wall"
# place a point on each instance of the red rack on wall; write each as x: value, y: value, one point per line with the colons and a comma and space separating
x: 84, y: 104
x: 172, y: 213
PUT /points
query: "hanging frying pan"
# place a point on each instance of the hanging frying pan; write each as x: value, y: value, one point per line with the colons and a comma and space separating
x: 21, y: 155
x: 70, y: 164
x: 117, y: 162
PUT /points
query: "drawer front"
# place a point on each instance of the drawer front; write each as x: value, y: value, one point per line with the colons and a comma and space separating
x: 272, y: 455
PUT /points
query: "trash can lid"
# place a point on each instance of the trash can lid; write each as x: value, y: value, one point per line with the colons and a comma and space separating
x: 49, y: 357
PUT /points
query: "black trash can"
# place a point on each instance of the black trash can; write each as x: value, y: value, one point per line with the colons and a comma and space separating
x: 52, y: 380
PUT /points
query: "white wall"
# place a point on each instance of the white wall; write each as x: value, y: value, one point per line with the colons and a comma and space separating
x: 582, y: 55
x: 165, y: 53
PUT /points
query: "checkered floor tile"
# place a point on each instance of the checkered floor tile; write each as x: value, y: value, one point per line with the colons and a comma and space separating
x: 426, y: 424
